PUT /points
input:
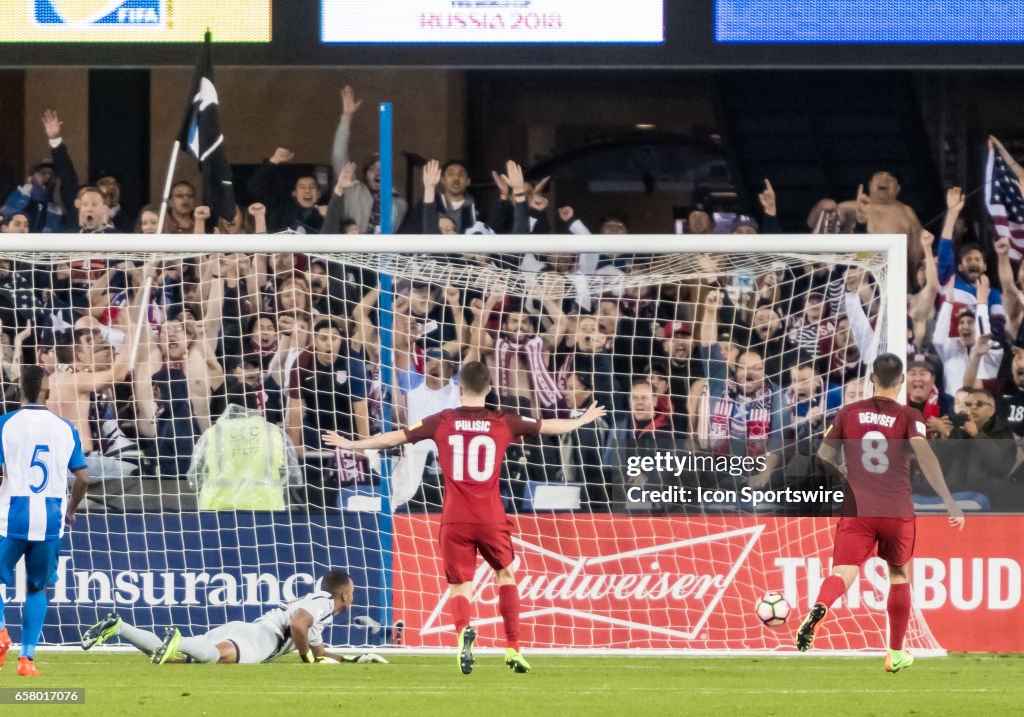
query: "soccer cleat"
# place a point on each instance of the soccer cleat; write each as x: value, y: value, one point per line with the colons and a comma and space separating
x: 515, y: 661
x: 5, y: 645
x: 805, y: 635
x: 398, y: 632
x: 167, y: 651
x: 466, y: 637
x: 27, y: 668
x: 101, y: 631
x: 898, y: 660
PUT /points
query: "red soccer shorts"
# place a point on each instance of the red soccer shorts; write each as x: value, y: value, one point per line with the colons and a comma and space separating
x: 461, y: 541
x: 856, y: 539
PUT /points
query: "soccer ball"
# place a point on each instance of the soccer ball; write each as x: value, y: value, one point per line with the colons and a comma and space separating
x: 772, y: 609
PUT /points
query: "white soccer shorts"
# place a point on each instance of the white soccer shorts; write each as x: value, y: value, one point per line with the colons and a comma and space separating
x: 253, y: 642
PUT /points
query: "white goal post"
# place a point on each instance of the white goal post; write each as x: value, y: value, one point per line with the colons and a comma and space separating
x: 892, y: 246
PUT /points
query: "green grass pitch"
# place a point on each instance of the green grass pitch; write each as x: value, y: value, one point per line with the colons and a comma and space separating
x: 125, y: 684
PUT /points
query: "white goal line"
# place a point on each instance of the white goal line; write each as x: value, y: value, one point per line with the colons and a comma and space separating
x: 397, y: 651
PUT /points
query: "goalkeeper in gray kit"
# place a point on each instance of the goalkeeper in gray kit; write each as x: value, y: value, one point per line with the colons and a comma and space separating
x: 295, y: 626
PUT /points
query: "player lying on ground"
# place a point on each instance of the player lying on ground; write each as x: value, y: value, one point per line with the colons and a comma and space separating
x: 37, y: 449
x: 877, y: 436
x: 295, y: 626
x: 471, y: 442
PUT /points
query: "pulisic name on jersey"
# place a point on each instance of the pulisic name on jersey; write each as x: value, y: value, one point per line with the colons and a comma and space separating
x: 876, y: 419
x: 474, y: 426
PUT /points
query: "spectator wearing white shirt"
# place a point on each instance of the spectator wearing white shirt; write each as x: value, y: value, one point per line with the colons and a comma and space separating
x: 295, y: 338
x: 955, y: 351
x: 439, y: 391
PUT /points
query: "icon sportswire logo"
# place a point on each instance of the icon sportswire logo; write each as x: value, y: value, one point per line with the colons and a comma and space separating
x: 614, y: 589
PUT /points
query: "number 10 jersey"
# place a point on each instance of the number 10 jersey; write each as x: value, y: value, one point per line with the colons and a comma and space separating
x: 471, y: 445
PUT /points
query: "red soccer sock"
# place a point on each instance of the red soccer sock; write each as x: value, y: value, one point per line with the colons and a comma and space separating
x: 899, y: 614
x: 831, y: 590
x: 508, y: 601
x: 458, y: 611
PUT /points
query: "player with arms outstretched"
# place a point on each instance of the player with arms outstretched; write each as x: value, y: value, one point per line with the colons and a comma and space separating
x: 877, y: 436
x: 471, y: 442
x: 294, y: 626
x: 37, y: 449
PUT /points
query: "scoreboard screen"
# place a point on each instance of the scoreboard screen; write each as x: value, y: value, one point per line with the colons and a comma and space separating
x: 490, y: 21
x: 879, y: 22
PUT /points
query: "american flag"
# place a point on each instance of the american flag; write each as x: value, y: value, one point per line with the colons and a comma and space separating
x: 1005, y: 203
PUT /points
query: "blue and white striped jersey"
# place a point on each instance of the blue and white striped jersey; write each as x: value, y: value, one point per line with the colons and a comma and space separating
x: 37, y: 449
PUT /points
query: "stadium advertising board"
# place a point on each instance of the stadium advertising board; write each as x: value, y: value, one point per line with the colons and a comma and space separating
x: 134, y: 20
x: 692, y: 583
x: 198, y: 571
x: 621, y: 582
x: 486, y: 21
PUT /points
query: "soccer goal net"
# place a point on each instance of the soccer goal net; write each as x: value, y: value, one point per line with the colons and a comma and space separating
x: 202, y: 383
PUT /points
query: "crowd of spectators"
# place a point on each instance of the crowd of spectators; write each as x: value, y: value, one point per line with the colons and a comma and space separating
x: 144, y: 357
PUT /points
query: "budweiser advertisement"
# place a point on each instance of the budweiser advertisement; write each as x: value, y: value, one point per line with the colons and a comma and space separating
x: 692, y: 583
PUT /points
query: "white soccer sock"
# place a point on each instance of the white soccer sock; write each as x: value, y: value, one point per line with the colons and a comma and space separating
x: 142, y: 639
x: 199, y: 649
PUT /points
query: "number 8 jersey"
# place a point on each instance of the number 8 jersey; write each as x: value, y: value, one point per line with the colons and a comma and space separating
x: 471, y: 445
x: 875, y: 436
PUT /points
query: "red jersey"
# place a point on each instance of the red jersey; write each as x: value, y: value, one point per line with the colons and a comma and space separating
x: 471, y: 445
x: 875, y: 434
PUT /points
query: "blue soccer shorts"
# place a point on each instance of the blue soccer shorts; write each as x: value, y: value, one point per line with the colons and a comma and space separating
x: 40, y: 561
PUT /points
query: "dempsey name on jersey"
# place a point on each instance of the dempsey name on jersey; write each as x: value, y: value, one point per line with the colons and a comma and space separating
x: 876, y: 419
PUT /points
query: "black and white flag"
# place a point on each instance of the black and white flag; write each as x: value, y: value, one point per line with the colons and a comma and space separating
x: 201, y: 136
